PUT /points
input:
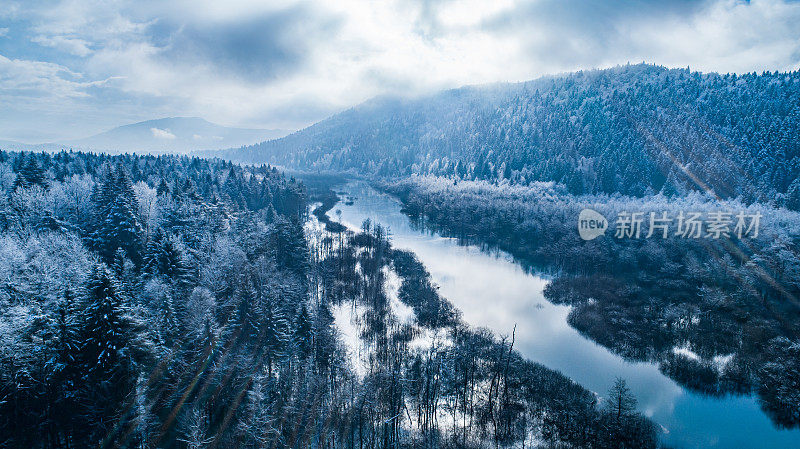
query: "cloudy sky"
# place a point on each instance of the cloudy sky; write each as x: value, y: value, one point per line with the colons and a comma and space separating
x: 70, y: 68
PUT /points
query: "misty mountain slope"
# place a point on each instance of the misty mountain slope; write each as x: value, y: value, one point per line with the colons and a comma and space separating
x: 175, y: 134
x: 632, y: 129
x: 11, y: 145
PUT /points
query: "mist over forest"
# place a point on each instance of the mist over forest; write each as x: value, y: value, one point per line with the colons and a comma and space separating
x: 223, y: 299
x: 634, y: 130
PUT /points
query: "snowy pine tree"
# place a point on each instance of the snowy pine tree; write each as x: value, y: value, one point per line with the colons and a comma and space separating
x: 105, y: 328
x: 303, y: 336
x: 107, y: 355
x: 30, y: 174
x: 117, y: 221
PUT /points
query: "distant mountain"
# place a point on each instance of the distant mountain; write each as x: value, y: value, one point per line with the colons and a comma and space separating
x: 633, y: 129
x: 10, y: 145
x: 174, y: 134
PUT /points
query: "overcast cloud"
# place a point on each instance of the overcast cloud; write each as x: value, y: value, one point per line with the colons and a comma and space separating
x: 73, y: 68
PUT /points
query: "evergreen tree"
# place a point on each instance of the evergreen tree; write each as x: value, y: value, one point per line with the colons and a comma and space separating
x: 621, y: 402
x: 167, y: 321
x: 66, y: 374
x: 793, y: 195
x: 163, y: 188
x: 303, y: 336
x: 107, y: 354
x: 67, y: 344
x: 288, y: 243
x: 324, y: 337
x: 105, y: 327
x: 275, y: 332
x: 30, y: 174
x: 117, y: 212
x: 165, y: 256
x: 270, y: 216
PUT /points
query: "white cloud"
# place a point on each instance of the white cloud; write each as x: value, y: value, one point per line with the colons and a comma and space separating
x: 159, y: 133
x: 729, y: 36
x: 351, y: 50
x: 73, y: 46
x: 24, y: 78
x: 3, y: 31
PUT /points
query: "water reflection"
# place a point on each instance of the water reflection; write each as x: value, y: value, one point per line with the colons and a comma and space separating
x: 493, y: 291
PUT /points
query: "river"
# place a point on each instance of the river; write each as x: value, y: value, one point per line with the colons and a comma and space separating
x: 493, y: 291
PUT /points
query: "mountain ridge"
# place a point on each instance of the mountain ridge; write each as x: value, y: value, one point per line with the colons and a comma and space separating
x: 162, y: 135
x: 174, y: 134
x: 633, y: 129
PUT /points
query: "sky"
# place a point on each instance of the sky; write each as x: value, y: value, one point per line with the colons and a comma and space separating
x: 69, y: 69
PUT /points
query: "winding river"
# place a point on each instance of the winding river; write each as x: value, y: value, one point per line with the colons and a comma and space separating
x: 493, y: 291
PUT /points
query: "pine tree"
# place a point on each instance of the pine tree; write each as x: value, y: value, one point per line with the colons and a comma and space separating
x: 303, y: 336
x: 101, y: 200
x: 270, y: 216
x: 265, y: 196
x: 621, y: 402
x: 107, y: 359
x: 793, y: 195
x: 105, y: 328
x: 324, y: 337
x: 166, y: 320
x: 31, y: 174
x: 249, y: 316
x: 67, y: 344
x: 275, y: 328
x: 288, y: 243
x: 20, y: 183
x: 165, y: 255
x: 117, y: 213
x: 65, y: 377
x: 163, y: 188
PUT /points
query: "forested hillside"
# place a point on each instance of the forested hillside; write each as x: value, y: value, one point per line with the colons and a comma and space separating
x: 132, y: 289
x: 634, y: 129
x: 732, y: 303
x: 177, y: 302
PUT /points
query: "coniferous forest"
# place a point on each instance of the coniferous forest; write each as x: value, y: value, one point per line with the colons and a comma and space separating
x: 315, y: 224
x: 510, y: 166
x: 634, y: 129
x: 180, y: 302
x: 728, y: 299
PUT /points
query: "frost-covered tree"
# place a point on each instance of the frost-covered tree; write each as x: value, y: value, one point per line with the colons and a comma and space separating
x: 107, y: 355
x: 116, y: 218
x: 303, y: 336
x: 620, y: 401
x: 31, y: 174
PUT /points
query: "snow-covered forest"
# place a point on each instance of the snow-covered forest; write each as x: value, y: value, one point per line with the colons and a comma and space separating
x: 720, y: 316
x: 635, y: 129
x: 184, y: 302
x: 426, y: 224
x: 180, y: 302
x: 510, y: 166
